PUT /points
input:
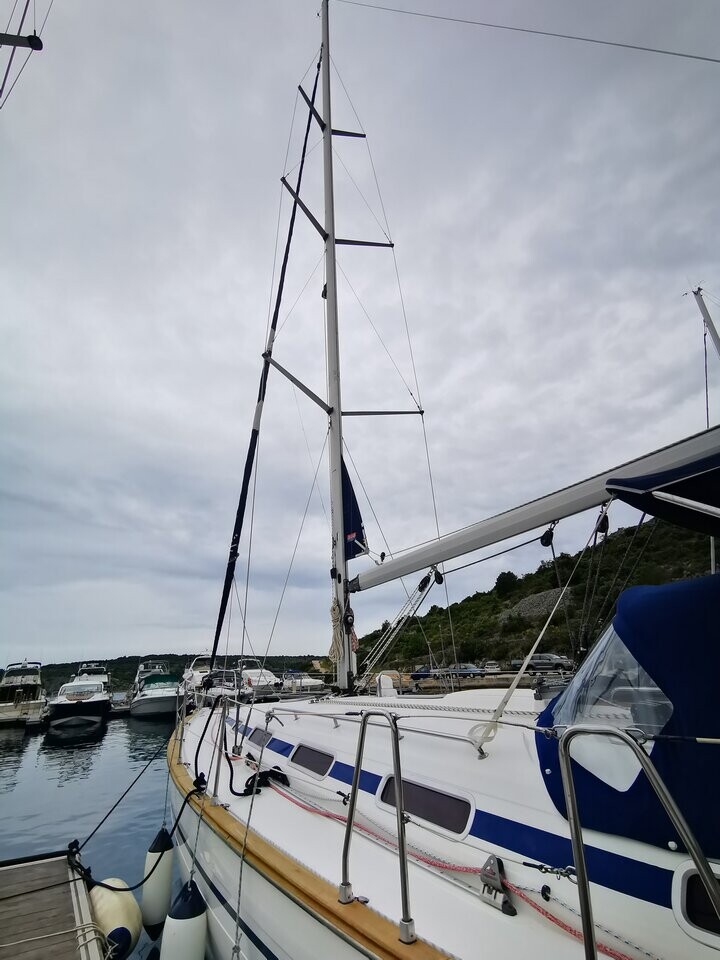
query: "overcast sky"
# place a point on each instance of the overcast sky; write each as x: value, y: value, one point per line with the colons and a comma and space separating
x: 550, y: 202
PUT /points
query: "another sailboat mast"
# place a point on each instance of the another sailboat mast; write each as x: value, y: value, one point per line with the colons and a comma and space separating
x: 346, y: 667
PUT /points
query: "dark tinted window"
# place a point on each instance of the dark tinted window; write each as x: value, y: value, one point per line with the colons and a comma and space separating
x: 439, y: 808
x: 314, y: 760
x: 259, y: 737
x: 699, y: 910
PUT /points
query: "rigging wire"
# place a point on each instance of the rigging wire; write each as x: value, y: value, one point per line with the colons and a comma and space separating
x: 297, y: 543
x: 361, y: 195
x: 540, y: 33
x: 382, y: 534
x: 297, y: 300
x: 378, y: 335
x: 12, y: 52
x: 279, y: 217
x: 12, y: 14
x: 4, y: 100
x: 492, y: 556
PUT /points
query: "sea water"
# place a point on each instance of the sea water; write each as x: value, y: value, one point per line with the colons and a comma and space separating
x: 53, y: 791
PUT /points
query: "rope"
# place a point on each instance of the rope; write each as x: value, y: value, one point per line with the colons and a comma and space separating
x: 446, y: 865
x: 568, y: 928
x: 163, y: 746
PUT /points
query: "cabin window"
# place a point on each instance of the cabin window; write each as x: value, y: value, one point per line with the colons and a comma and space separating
x: 314, y: 760
x: 260, y: 737
x: 698, y: 909
x: 442, y: 809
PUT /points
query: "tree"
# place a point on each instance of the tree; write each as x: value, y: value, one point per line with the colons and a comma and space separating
x: 505, y: 583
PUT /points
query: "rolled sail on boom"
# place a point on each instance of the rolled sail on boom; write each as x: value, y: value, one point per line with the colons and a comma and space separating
x: 555, y: 506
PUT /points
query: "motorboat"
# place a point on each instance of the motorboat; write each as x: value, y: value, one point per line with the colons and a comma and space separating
x: 156, y: 695
x: 22, y: 696
x: 82, y: 703
x: 296, y: 681
x: 94, y: 670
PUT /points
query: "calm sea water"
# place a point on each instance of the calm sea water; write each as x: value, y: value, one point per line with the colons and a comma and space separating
x: 52, y: 792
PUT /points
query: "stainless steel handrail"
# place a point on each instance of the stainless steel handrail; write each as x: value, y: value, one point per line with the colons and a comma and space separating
x: 671, y: 808
x: 345, y: 892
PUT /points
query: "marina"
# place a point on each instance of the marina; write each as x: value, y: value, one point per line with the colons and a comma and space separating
x: 504, y: 741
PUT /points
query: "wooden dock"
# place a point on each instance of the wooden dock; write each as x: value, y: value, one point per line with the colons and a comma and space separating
x: 45, y: 911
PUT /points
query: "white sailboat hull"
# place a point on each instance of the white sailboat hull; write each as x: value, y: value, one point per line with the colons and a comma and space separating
x: 299, y: 830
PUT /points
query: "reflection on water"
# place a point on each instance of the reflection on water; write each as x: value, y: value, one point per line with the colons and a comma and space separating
x: 59, y: 789
x: 70, y: 755
x: 12, y: 746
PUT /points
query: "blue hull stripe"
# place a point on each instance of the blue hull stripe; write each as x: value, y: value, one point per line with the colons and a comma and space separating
x: 634, y: 878
x: 225, y: 904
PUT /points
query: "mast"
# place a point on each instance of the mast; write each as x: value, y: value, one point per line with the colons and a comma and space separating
x: 712, y: 330
x: 346, y: 667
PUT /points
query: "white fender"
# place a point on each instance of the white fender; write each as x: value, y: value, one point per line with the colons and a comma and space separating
x: 157, y: 889
x: 185, y: 930
x: 117, y: 914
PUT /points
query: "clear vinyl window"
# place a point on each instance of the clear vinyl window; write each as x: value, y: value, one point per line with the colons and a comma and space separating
x: 611, y: 687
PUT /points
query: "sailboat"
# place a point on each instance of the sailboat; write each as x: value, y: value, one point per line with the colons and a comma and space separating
x: 478, y: 822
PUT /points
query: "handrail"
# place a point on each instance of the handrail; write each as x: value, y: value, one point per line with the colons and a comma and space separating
x: 671, y: 808
x: 345, y: 892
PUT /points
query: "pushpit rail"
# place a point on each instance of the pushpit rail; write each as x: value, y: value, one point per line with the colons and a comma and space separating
x: 671, y: 808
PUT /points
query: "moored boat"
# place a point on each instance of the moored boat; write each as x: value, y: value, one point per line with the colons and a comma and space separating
x: 22, y: 696
x: 83, y: 703
x: 478, y: 822
x: 156, y: 695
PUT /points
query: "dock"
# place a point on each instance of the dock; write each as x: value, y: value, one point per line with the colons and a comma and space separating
x: 45, y: 911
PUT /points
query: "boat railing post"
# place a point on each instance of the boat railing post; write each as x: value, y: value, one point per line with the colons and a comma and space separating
x: 180, y: 715
x: 687, y: 837
x: 236, y: 748
x: 345, y: 892
x: 219, y: 749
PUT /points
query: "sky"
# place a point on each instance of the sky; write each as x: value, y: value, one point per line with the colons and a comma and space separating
x: 551, y: 203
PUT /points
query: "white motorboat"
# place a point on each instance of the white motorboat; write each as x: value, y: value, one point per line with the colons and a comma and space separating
x: 156, y: 695
x: 93, y: 670
x: 22, y: 696
x: 296, y: 681
x: 479, y: 822
x: 82, y: 704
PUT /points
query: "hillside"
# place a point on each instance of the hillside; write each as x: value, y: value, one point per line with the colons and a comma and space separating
x: 502, y: 623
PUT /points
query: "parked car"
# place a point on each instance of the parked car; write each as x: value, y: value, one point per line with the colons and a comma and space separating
x: 423, y: 672
x: 491, y: 666
x: 545, y: 663
x: 294, y: 680
x: 463, y: 670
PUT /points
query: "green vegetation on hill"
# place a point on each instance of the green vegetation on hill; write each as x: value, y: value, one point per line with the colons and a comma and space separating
x: 486, y: 625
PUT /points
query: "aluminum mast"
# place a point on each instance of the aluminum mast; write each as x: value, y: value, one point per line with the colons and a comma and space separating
x: 346, y: 668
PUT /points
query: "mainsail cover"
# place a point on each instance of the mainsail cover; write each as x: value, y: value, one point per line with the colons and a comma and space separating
x: 697, y: 484
x: 353, y: 525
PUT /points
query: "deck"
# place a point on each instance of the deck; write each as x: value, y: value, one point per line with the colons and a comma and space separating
x: 42, y: 914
